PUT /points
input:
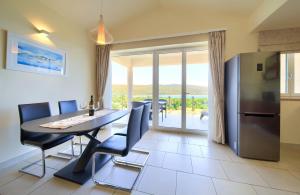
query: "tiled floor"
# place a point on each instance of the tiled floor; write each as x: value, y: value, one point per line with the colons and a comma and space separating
x: 179, y: 164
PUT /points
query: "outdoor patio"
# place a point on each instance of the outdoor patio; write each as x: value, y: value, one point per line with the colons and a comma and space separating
x: 173, y: 119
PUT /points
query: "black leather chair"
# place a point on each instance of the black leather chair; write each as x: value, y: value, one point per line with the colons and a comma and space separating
x: 43, y: 141
x: 162, y: 107
x: 145, y: 115
x: 65, y: 107
x: 120, y: 145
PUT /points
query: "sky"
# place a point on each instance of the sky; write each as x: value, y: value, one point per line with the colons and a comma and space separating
x: 197, y: 74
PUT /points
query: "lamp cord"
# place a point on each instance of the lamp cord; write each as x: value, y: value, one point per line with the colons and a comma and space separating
x: 101, y: 6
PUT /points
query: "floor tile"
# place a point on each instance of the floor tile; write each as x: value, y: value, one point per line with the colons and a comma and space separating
x: 118, y: 175
x: 133, y: 192
x: 156, y: 158
x: 56, y: 186
x: 208, y: 167
x: 197, y: 140
x: 178, y: 162
x: 90, y: 188
x: 11, y: 173
x: 158, y: 181
x: 214, y: 153
x: 26, y: 183
x: 279, y: 179
x: 242, y: 173
x: 268, y: 191
x: 296, y: 174
x: 189, y: 149
x: 179, y: 138
x: 166, y: 146
x: 190, y: 184
x: 225, y: 187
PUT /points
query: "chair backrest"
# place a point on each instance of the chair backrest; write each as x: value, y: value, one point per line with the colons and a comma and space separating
x: 68, y: 106
x: 145, y: 118
x: 145, y: 115
x: 137, y: 104
x: 134, y: 127
x: 29, y: 112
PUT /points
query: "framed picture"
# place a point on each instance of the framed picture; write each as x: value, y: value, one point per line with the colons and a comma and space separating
x: 25, y: 55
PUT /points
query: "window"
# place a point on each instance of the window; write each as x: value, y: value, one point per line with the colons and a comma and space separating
x: 290, y: 74
x: 119, y: 83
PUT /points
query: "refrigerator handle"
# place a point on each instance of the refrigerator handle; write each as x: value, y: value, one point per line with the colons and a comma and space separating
x: 260, y: 114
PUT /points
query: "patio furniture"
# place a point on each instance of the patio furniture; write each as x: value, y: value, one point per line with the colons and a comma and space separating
x: 162, y: 107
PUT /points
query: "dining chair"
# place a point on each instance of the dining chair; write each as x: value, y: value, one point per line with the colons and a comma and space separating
x: 65, y: 107
x: 145, y: 115
x: 162, y: 107
x: 43, y: 141
x: 121, y: 144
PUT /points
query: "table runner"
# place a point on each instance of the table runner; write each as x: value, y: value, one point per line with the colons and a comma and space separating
x: 76, y: 120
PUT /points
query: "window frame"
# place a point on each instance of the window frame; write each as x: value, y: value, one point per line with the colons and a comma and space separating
x: 290, y: 75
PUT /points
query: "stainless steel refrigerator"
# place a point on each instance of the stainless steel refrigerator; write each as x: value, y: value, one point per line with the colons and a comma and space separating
x: 252, y: 105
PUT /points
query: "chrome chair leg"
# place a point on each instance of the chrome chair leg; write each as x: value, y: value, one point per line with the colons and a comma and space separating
x: 102, y: 183
x: 23, y: 170
x: 80, y: 142
x: 121, y: 162
x: 72, y: 154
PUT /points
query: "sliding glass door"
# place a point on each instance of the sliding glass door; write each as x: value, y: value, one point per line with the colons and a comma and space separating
x: 175, y: 81
x: 197, y: 90
x: 169, y: 102
x: 182, y: 84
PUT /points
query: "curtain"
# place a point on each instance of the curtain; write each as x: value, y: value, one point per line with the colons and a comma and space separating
x: 102, y: 65
x: 279, y: 40
x: 216, y: 46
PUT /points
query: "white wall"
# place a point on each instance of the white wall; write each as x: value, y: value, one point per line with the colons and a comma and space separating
x: 290, y: 121
x: 22, y: 17
x: 164, y: 22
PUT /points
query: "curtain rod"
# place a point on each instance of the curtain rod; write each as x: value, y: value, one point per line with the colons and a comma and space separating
x: 168, y: 36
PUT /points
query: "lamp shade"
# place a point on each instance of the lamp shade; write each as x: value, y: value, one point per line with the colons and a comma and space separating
x: 103, y: 36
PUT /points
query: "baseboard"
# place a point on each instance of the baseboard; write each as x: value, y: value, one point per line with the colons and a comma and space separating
x: 17, y: 159
x: 291, y: 146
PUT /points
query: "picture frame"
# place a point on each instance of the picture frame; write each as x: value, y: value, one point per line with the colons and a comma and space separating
x: 28, y: 56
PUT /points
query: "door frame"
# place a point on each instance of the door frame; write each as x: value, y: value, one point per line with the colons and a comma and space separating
x: 155, y: 83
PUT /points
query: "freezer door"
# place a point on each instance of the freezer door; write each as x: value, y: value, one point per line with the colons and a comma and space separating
x: 259, y: 136
x: 260, y: 82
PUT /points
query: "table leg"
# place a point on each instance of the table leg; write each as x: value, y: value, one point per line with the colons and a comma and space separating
x: 80, y: 170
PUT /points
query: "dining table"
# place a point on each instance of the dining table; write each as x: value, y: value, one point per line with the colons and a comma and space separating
x: 78, y: 170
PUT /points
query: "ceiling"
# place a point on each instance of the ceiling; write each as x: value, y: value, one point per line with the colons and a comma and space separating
x: 287, y: 16
x: 86, y: 12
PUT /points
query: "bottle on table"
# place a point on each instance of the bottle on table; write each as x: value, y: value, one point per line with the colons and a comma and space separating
x: 91, y: 107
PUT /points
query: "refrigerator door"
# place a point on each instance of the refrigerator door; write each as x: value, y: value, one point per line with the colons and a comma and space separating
x: 259, y: 136
x: 232, y: 102
x: 260, y: 82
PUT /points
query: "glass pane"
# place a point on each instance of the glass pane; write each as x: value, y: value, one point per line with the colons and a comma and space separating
x: 142, y: 73
x: 197, y: 90
x: 283, y: 73
x: 170, y: 73
x: 119, y: 83
x: 142, y: 67
x: 297, y: 73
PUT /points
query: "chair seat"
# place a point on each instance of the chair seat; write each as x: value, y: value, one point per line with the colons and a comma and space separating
x: 115, y: 144
x: 48, y: 140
